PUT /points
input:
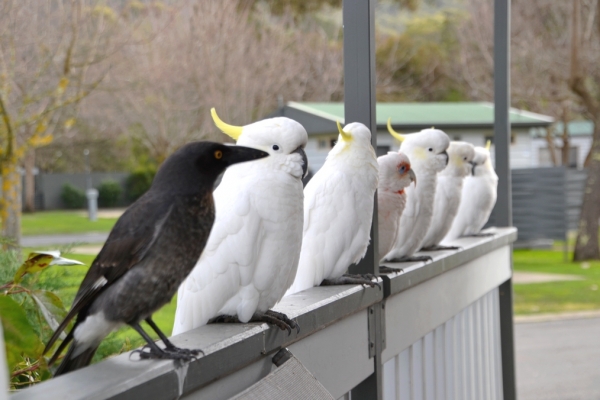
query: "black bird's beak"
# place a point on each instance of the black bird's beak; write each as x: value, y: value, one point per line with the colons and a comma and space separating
x: 300, y: 151
x: 238, y: 154
x: 447, y: 157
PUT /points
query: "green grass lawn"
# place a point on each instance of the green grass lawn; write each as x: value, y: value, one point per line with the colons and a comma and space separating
x: 555, y: 297
x: 63, y: 222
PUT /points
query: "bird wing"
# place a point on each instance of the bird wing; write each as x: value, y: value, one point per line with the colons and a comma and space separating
x: 334, y: 236
x: 127, y: 244
x: 227, y: 263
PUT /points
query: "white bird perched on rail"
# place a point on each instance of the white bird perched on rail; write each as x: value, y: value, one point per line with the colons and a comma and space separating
x: 252, y: 253
x: 338, y: 211
x: 448, y: 194
x: 395, y: 175
x: 478, y: 197
x: 427, y: 153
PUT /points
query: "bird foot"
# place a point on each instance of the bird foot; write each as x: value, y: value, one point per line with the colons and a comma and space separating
x: 389, y: 270
x: 173, y: 353
x: 353, y: 279
x: 410, y: 259
x: 278, y: 319
x: 440, y: 248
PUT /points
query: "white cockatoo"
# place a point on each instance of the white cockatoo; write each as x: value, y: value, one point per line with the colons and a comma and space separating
x: 338, y: 211
x: 427, y: 153
x: 448, y: 194
x: 252, y: 253
x: 395, y: 175
x: 478, y: 197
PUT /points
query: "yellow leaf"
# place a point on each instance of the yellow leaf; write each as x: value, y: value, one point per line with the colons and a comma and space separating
x: 69, y: 123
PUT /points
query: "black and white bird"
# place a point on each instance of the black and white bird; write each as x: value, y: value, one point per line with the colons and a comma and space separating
x: 148, y: 253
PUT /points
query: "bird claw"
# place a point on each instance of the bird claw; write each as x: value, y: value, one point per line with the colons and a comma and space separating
x: 278, y: 319
x: 353, y: 279
x: 389, y: 270
x: 409, y: 259
x: 174, y: 353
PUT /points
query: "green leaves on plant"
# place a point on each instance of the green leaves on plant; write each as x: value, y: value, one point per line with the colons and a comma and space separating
x: 19, y: 336
x: 51, y: 307
x: 39, y: 260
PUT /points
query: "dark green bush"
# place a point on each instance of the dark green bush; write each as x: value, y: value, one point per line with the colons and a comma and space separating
x: 72, y: 197
x: 109, y: 193
x: 139, y: 182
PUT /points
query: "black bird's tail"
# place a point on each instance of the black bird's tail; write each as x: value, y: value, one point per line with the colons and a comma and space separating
x: 70, y: 363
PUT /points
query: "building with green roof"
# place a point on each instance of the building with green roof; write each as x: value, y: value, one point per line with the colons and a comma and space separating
x: 468, y: 121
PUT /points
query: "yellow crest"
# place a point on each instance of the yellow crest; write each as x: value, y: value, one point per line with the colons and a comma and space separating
x: 393, y: 132
x: 230, y: 130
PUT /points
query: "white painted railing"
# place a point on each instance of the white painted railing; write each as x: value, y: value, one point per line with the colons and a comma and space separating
x: 439, y: 332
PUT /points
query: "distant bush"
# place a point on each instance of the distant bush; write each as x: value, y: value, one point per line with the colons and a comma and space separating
x: 138, y: 183
x: 109, y: 193
x: 72, y: 197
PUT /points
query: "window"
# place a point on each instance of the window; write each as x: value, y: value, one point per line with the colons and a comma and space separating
x: 322, y: 143
x: 546, y: 161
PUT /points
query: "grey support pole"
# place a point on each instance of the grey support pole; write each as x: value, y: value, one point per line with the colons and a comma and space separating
x: 502, y: 134
x: 359, y: 106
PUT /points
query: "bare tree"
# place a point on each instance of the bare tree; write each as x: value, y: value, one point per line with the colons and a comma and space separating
x: 52, y: 56
x: 217, y: 54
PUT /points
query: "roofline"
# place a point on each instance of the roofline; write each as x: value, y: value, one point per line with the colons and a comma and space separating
x: 544, y: 120
x: 312, y: 111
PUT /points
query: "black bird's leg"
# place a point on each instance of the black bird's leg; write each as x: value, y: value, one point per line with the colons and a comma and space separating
x: 389, y: 270
x: 410, y: 259
x: 439, y: 248
x: 155, y: 351
x: 353, y: 279
x: 170, y: 347
x: 278, y: 319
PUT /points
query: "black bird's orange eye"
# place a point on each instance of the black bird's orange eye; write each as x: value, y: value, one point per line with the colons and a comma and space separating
x: 218, y: 154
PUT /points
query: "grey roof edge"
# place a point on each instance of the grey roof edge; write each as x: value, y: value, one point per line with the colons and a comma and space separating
x: 464, y: 126
x: 230, y: 347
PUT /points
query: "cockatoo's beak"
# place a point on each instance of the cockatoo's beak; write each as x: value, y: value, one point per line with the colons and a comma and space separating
x: 233, y: 132
x: 300, y: 151
x: 473, y: 166
x: 346, y: 137
x: 412, y: 176
x: 393, y: 132
x: 446, y: 154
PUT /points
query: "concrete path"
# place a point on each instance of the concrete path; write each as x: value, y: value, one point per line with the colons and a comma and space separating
x: 558, y: 360
x: 44, y: 241
x: 520, y: 277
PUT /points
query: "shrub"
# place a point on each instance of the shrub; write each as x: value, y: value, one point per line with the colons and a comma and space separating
x: 109, y: 193
x: 72, y: 197
x: 139, y: 182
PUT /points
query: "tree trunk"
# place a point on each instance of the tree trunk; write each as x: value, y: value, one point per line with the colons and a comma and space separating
x: 551, y: 146
x: 565, y: 139
x: 10, y: 201
x: 586, y: 246
x: 29, y: 182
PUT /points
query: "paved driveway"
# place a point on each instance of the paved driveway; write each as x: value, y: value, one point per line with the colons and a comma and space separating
x: 558, y: 360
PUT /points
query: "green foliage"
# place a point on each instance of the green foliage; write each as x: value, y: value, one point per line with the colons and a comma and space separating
x: 109, y: 193
x: 72, y: 197
x: 139, y: 182
x: 29, y: 312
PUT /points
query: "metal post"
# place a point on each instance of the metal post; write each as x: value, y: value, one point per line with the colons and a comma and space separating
x: 90, y: 193
x: 502, y: 135
x: 359, y: 106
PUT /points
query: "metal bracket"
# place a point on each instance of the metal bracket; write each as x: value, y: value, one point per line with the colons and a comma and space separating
x: 376, y: 332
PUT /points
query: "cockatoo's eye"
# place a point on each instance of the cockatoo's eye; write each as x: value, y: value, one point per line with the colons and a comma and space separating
x: 402, y: 169
x: 430, y: 149
x: 464, y: 158
x: 275, y: 147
